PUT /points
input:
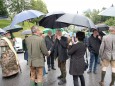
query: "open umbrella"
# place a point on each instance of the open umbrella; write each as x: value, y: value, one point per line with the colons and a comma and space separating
x: 108, y: 12
x: 25, y: 15
x: 14, y: 28
x: 49, y: 21
x: 102, y: 27
x: 26, y: 32
x: 75, y: 19
x: 2, y: 31
x: 53, y: 30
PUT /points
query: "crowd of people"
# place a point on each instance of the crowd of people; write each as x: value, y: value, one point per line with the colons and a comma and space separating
x: 38, y: 47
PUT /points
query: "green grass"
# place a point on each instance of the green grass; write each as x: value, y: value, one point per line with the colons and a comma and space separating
x: 27, y: 25
x: 4, y: 23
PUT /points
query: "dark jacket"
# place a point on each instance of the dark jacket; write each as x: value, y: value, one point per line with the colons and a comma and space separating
x: 24, y: 45
x: 60, y: 48
x: 94, y: 44
x: 77, y: 62
x: 49, y: 42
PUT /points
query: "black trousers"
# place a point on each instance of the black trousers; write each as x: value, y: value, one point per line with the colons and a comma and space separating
x: 75, y: 79
x: 50, y: 60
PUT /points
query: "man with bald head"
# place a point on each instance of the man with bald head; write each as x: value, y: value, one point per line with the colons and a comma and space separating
x: 36, y: 49
x: 107, y: 54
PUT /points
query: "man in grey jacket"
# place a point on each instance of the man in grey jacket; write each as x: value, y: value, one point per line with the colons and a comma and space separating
x: 107, y: 54
x: 36, y: 50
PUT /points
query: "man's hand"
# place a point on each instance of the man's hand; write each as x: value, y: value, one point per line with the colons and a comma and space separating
x: 59, y: 37
x: 49, y: 52
x: 70, y: 43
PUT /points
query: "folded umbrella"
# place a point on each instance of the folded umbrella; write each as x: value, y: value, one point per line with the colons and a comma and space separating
x: 75, y: 19
x: 25, y: 15
x: 49, y: 21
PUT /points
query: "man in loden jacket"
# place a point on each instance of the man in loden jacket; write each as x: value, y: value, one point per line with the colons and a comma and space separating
x: 94, y: 43
x: 107, y: 55
x: 60, y: 52
x: 36, y: 49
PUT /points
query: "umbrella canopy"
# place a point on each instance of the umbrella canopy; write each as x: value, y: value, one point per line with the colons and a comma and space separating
x: 2, y: 31
x: 75, y: 19
x: 102, y: 27
x: 53, y: 30
x: 15, y: 28
x: 25, y: 15
x: 26, y: 32
x: 108, y: 12
x: 49, y: 21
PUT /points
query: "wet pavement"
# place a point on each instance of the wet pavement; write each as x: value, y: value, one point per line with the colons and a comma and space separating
x: 50, y: 79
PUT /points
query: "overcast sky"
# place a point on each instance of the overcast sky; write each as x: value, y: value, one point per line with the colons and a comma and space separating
x: 72, y: 6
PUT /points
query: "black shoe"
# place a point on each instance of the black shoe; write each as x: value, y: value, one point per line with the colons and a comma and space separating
x: 61, y: 82
x: 48, y: 69
x: 94, y: 72
x: 59, y: 77
x: 53, y: 68
x: 89, y: 71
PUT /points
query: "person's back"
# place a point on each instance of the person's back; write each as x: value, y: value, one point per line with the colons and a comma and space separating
x: 109, y: 41
x: 36, y: 49
x: 107, y: 55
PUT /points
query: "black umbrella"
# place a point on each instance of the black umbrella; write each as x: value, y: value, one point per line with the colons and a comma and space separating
x: 75, y: 19
x: 102, y: 27
x: 49, y: 21
x: 15, y: 28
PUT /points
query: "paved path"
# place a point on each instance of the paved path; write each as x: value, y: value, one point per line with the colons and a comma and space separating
x: 22, y: 79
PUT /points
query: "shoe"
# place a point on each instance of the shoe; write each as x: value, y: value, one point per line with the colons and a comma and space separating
x: 59, y: 77
x: 48, y: 69
x: 53, y: 68
x: 32, y: 83
x: 101, y: 83
x: 89, y: 71
x: 94, y: 72
x: 61, y: 82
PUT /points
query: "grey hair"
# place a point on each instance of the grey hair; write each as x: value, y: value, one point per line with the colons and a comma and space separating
x: 34, y: 29
x: 112, y: 28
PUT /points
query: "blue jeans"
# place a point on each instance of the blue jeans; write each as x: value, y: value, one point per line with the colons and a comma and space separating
x: 93, y: 60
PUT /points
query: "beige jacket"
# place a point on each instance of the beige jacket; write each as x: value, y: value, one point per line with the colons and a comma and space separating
x: 106, y: 51
x: 36, y: 50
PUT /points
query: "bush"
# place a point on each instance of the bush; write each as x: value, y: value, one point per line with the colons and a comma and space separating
x: 110, y: 22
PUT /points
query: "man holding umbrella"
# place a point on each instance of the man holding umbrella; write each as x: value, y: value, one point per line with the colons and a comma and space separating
x: 36, y: 49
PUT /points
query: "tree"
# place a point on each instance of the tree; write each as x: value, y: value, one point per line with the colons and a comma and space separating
x: 38, y: 5
x: 93, y: 15
x: 110, y: 22
x: 3, y: 10
x: 17, y: 6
